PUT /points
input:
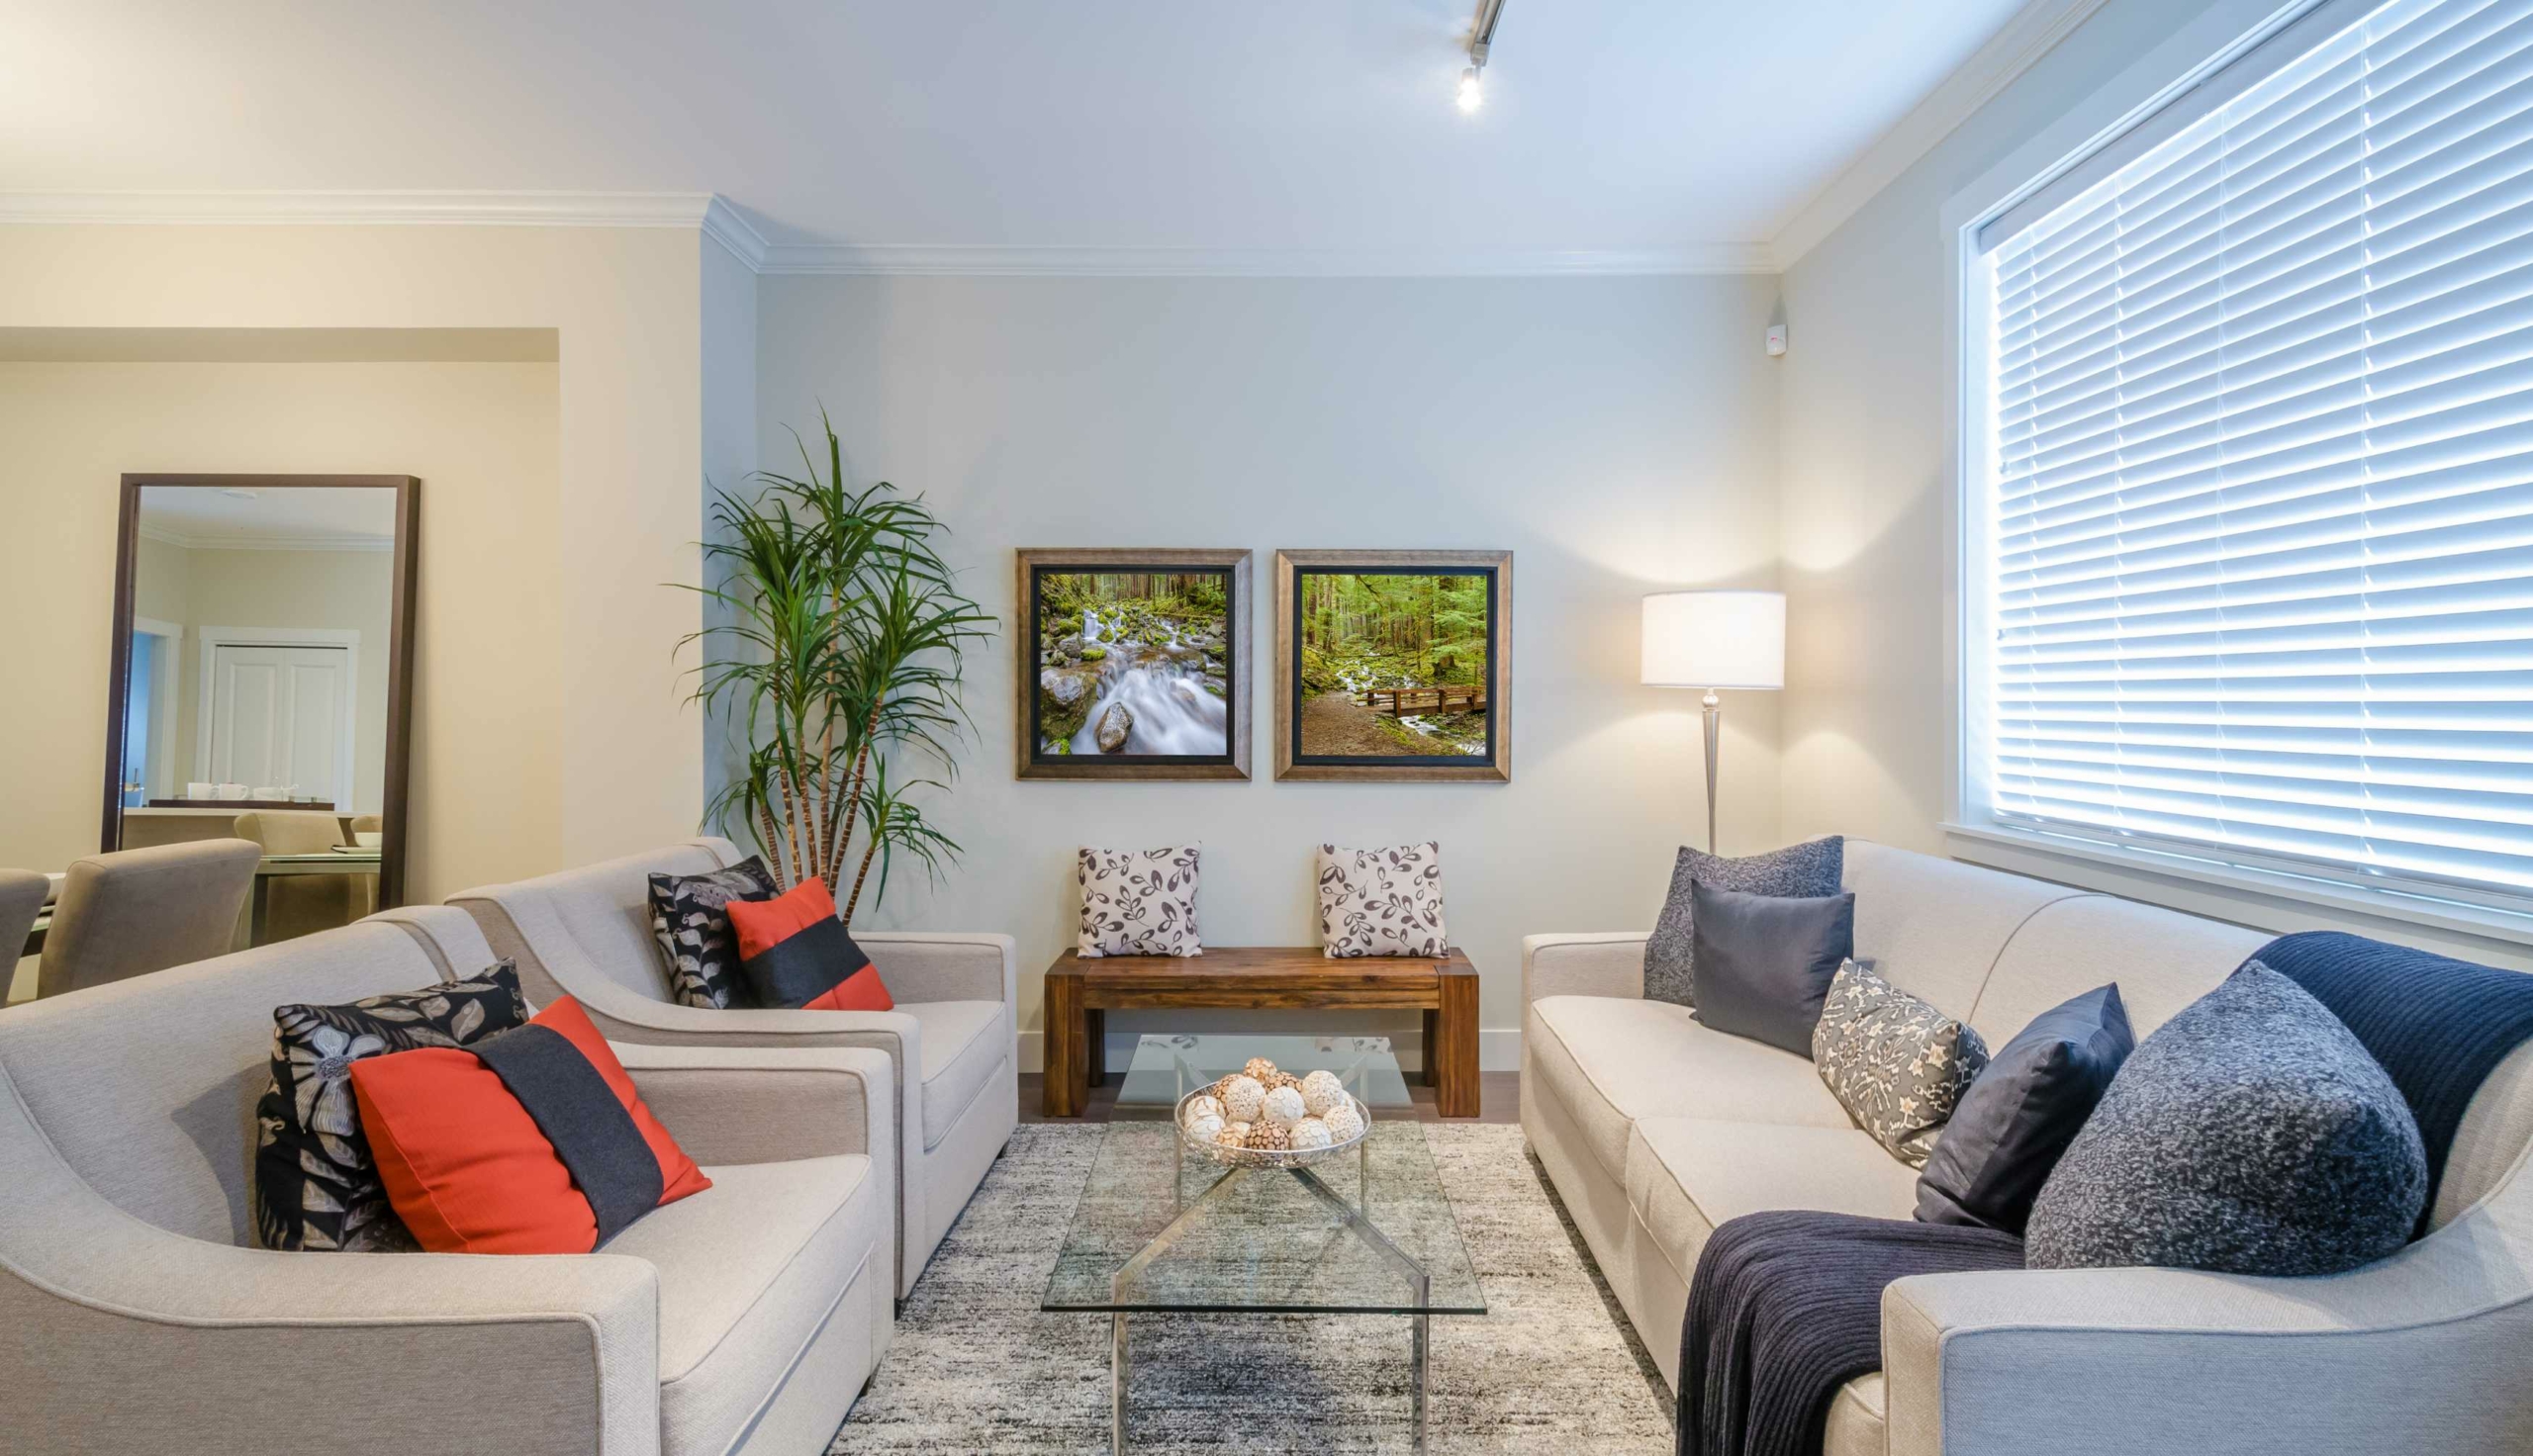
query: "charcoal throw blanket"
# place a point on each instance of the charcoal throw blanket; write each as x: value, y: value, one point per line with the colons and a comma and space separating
x: 2438, y: 1025
x: 1786, y: 1307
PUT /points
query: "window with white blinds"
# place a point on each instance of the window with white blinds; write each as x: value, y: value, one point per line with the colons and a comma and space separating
x: 2253, y: 575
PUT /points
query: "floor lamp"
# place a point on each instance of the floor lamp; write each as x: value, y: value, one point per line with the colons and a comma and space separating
x: 1713, y: 640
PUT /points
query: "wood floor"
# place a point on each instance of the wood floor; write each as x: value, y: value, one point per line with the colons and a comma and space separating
x: 1499, y: 1096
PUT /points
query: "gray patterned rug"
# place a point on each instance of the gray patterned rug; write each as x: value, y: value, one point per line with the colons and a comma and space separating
x: 976, y: 1367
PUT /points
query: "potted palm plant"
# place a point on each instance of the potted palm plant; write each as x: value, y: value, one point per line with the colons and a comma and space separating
x: 837, y: 665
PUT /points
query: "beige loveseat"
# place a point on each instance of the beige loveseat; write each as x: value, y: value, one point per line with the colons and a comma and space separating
x: 136, y: 1312
x: 953, y: 1039
x: 1655, y: 1129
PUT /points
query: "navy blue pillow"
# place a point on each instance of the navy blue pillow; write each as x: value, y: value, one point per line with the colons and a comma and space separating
x: 1764, y: 963
x: 2009, y: 1130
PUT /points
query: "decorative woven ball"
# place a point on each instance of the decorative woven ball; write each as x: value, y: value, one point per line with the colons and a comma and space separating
x: 1260, y: 1069
x: 1282, y: 1079
x: 1242, y: 1099
x: 1269, y: 1137
x: 1222, y: 1086
x: 1310, y: 1133
x: 1204, y: 1105
x: 1283, y: 1106
x: 1321, y: 1091
x: 1233, y: 1135
x: 1204, y: 1126
x: 1345, y: 1123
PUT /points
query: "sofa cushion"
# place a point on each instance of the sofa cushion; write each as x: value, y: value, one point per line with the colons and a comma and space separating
x: 1856, y: 1419
x: 1934, y: 927
x: 749, y: 1269
x: 2161, y: 960
x: 691, y: 920
x: 795, y: 955
x: 963, y: 1042
x: 1897, y: 1066
x: 1686, y: 1175
x: 1611, y: 1062
x: 2017, y: 1117
x: 2253, y: 1133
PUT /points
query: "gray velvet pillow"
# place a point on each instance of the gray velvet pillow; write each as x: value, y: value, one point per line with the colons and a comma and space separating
x: 2250, y: 1135
x: 1765, y: 961
x: 1810, y: 868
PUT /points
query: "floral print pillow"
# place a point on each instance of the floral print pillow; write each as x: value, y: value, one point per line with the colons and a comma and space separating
x: 1896, y: 1064
x: 1138, y: 902
x: 315, y: 1184
x: 691, y: 921
x: 1382, y: 902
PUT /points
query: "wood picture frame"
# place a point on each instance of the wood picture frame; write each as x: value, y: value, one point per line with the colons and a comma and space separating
x: 1178, y: 668
x: 395, y: 798
x: 1491, y: 695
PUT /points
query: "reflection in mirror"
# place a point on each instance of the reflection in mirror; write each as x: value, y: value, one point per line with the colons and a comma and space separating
x: 262, y: 683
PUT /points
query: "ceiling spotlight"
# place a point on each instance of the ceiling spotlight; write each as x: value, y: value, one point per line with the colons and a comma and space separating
x: 1482, y: 37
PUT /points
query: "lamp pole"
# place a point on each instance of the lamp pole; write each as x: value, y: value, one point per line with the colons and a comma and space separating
x: 1713, y: 708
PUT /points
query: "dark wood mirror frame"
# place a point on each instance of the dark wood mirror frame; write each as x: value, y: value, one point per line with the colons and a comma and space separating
x: 394, y: 801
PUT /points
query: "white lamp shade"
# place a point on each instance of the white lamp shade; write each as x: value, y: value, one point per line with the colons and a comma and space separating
x: 1715, y: 639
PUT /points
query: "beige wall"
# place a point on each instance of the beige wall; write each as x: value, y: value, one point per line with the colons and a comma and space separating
x: 488, y: 742
x: 620, y: 523
x: 1616, y: 434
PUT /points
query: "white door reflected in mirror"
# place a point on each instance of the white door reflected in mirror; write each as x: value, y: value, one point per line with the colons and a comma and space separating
x: 281, y: 716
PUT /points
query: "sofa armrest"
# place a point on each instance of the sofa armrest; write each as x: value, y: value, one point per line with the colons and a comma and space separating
x: 927, y: 966
x: 120, y: 1335
x: 2428, y: 1350
x: 729, y: 1104
x: 1609, y: 963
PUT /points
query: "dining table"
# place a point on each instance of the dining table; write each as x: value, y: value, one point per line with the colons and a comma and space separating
x: 349, y: 860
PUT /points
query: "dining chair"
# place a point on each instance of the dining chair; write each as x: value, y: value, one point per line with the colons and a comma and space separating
x: 136, y: 911
x: 22, y: 893
x: 303, y: 904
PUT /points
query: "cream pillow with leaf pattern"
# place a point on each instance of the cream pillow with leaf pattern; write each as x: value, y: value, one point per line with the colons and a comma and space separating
x: 1894, y: 1062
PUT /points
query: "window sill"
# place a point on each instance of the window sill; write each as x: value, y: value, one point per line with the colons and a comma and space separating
x: 2261, y: 898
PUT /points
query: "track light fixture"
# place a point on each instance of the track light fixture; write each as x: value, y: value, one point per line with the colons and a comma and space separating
x: 1481, y: 36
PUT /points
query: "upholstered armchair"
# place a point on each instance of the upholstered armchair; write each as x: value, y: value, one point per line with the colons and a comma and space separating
x: 953, y: 1039
x: 142, y: 1316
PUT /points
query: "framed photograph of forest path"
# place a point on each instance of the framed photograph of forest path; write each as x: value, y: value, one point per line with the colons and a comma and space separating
x: 1134, y: 663
x: 1394, y: 664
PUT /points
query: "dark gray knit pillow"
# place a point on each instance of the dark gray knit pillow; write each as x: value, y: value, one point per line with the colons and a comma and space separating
x: 1805, y: 871
x: 2250, y: 1135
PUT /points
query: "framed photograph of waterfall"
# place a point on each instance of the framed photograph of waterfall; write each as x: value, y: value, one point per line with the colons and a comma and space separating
x: 1134, y: 663
x: 1394, y: 664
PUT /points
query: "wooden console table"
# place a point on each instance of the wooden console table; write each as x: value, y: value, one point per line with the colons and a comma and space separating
x: 1080, y: 992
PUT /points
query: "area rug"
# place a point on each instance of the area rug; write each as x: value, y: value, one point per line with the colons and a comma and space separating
x: 1552, y: 1366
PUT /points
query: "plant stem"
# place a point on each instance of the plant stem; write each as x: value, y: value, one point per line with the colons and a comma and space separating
x: 852, y: 806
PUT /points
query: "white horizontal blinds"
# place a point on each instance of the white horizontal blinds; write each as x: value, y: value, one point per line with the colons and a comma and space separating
x: 2262, y: 434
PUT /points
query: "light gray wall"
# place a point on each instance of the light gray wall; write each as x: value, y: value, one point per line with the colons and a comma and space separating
x: 1617, y: 434
x: 1867, y: 523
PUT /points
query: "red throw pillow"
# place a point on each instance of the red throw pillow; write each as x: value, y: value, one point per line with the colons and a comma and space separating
x: 795, y: 952
x: 529, y: 1143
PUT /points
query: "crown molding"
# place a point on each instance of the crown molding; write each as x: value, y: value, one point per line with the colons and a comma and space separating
x: 2018, y: 45
x: 462, y: 209
x: 348, y: 542
x: 723, y: 224
x: 997, y: 261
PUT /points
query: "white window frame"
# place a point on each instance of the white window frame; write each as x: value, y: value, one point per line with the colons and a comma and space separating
x: 2227, y: 884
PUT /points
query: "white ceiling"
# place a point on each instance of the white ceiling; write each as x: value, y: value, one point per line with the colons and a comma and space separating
x: 301, y: 517
x: 1314, y: 124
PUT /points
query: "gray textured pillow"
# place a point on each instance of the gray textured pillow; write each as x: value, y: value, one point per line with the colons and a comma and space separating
x: 1896, y: 1064
x: 1805, y: 871
x: 2250, y: 1135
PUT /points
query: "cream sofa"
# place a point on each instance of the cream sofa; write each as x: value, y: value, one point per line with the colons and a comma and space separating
x: 140, y: 1314
x: 1655, y: 1129
x: 953, y: 1039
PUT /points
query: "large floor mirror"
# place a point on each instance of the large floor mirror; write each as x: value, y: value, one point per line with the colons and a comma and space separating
x: 261, y: 686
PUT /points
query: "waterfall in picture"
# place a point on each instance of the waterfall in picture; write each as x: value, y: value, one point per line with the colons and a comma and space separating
x: 1162, y: 687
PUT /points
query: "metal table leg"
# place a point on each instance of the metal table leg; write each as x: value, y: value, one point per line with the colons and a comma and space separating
x: 1117, y: 1385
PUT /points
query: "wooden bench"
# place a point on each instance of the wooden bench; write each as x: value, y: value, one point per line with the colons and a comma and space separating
x: 1082, y: 991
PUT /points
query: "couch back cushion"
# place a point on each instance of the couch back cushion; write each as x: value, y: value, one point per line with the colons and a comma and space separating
x: 1934, y: 927
x: 2161, y: 960
x: 147, y: 1086
x: 593, y: 922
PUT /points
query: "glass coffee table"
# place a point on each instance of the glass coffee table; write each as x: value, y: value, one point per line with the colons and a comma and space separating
x: 1163, y: 1230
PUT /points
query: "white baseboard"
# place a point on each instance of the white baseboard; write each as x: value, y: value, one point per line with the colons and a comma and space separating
x: 1498, y: 1050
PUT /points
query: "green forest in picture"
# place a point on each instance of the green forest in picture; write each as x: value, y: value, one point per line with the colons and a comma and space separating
x: 1393, y: 664
x: 1133, y: 663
